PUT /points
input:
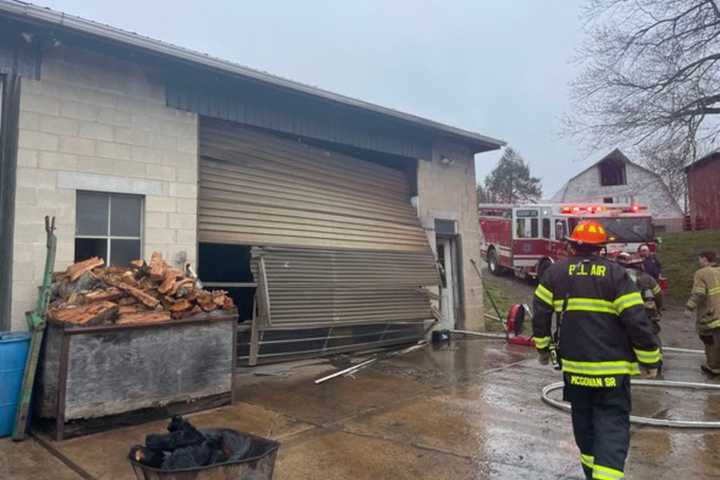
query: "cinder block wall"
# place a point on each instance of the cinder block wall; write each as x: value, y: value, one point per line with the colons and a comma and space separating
x: 448, y: 192
x: 93, y: 122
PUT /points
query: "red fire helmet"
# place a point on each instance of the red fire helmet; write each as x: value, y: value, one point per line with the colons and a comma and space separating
x: 589, y: 232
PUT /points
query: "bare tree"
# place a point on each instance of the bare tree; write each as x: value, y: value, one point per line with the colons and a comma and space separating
x: 650, y: 80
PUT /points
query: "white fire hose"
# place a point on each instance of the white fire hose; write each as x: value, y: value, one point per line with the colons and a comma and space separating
x: 656, y: 422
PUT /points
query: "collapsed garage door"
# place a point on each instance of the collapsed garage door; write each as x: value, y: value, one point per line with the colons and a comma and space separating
x: 339, y: 251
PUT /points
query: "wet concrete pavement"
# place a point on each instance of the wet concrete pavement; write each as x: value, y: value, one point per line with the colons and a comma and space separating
x: 467, y: 411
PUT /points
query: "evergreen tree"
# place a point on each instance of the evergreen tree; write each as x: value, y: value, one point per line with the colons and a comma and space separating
x: 510, y: 181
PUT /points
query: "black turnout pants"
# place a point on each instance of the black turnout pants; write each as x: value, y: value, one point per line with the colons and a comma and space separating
x: 601, y: 424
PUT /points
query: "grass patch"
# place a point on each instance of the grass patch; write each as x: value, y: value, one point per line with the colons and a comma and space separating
x: 505, y: 296
x: 678, y: 255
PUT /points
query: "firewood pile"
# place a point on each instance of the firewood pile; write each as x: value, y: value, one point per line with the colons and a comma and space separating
x: 88, y: 293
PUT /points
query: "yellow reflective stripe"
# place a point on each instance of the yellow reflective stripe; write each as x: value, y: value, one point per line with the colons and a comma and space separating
x: 648, y: 356
x: 620, y: 367
x: 714, y: 291
x: 544, y: 294
x: 699, y: 291
x: 587, y: 460
x: 713, y: 324
x: 541, y: 342
x: 606, y: 473
x: 626, y: 301
x: 586, y: 305
x: 657, y: 290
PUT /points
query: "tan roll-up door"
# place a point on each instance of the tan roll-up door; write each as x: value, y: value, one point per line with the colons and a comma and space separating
x: 260, y: 189
x: 302, y: 288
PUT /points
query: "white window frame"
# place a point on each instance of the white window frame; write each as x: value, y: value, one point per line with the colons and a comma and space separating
x: 109, y: 237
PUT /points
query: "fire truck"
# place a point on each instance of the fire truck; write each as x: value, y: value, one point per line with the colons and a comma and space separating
x: 529, y: 238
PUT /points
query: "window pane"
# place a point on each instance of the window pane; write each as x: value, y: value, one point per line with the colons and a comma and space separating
x: 125, y: 215
x: 546, y: 228
x: 90, y: 247
x: 123, y: 252
x: 92, y: 213
x: 520, y: 230
x: 534, y: 228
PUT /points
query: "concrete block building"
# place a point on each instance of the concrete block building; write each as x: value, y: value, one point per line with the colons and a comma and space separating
x: 136, y: 146
x: 616, y: 179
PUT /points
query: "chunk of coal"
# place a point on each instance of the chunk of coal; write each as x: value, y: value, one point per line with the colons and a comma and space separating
x: 146, y: 456
x: 180, y: 458
x: 236, y: 447
x: 182, y: 434
x: 206, y: 453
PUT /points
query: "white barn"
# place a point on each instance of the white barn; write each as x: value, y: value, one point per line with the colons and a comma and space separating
x: 615, y: 179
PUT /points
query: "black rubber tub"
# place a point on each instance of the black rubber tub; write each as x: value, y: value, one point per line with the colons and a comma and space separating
x: 258, y: 463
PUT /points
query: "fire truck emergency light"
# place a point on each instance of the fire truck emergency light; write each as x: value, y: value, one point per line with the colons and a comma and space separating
x: 600, y: 209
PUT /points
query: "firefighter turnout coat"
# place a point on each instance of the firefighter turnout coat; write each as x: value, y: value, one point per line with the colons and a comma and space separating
x: 605, y: 331
x: 705, y: 298
x: 650, y: 292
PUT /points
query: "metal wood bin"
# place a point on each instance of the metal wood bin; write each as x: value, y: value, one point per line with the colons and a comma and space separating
x: 97, y: 378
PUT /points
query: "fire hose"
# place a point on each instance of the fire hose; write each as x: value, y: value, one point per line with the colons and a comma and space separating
x: 637, y: 420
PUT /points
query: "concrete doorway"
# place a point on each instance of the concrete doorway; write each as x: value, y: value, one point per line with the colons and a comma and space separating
x: 448, y: 264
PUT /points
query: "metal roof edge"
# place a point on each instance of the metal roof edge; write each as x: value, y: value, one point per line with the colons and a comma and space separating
x: 28, y: 10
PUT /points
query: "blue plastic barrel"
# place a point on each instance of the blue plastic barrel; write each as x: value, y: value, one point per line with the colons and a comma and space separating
x: 13, y: 354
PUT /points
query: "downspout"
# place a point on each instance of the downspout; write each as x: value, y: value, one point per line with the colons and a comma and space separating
x: 9, y: 131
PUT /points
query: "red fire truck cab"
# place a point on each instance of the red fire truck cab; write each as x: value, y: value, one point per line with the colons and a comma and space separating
x: 528, y: 238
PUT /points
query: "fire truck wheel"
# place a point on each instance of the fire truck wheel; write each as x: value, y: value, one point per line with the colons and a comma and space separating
x: 492, y: 261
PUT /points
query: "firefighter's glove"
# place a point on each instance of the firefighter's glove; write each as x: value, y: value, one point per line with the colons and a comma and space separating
x: 544, y: 357
x: 648, y: 373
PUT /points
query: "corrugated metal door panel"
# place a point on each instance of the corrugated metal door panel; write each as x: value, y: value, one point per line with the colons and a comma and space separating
x: 242, y: 179
x: 308, y: 288
x: 260, y: 189
x: 219, y: 137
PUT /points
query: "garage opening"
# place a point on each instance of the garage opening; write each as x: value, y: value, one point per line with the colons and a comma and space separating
x: 323, y: 251
x: 227, y: 267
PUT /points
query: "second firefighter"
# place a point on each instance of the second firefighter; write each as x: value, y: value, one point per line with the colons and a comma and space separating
x: 603, y: 337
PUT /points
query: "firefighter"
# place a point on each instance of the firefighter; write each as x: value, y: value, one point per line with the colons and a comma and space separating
x: 704, y: 305
x: 649, y: 288
x: 652, y: 265
x: 603, y: 337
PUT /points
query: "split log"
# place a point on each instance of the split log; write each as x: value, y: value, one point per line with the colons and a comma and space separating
x: 128, y: 309
x: 92, y: 314
x: 144, y: 317
x: 187, y: 284
x: 87, y: 281
x: 219, y: 297
x: 169, y: 281
x: 206, y: 301
x: 181, y: 306
x: 129, y: 278
x: 127, y: 301
x: 158, y: 267
x: 108, y: 295
x: 77, y: 270
x: 228, y: 304
x: 137, y: 263
x: 144, y: 298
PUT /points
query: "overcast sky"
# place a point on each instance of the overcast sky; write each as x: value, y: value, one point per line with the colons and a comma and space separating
x: 497, y: 67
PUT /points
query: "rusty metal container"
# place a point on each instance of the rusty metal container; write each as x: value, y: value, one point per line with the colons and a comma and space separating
x: 259, y: 465
x: 101, y: 377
